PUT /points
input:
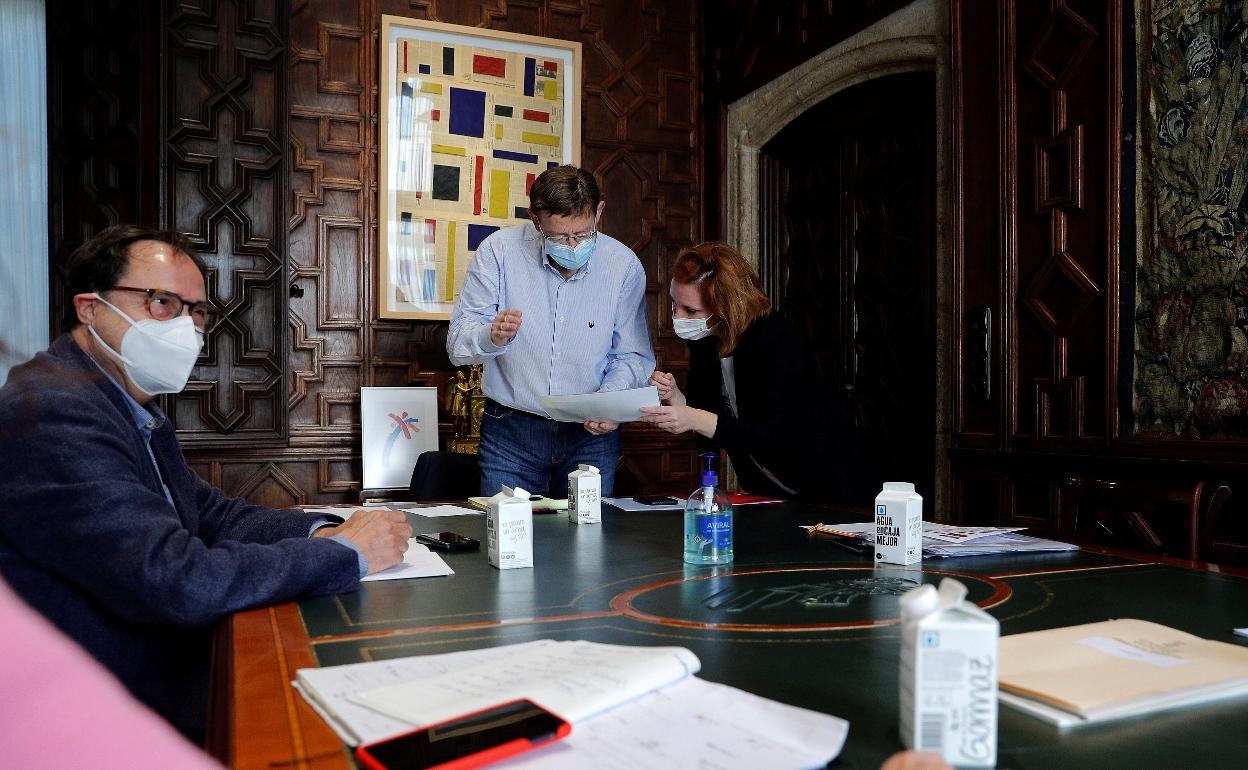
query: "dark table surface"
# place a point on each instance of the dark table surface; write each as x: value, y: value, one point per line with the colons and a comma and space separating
x: 794, y: 618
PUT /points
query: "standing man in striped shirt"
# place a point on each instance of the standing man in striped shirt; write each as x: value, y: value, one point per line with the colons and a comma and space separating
x: 552, y: 307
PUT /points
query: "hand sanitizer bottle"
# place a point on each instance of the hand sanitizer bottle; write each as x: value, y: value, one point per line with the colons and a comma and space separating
x: 708, y: 521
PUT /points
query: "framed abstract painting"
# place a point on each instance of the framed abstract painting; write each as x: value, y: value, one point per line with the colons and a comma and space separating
x: 469, y: 117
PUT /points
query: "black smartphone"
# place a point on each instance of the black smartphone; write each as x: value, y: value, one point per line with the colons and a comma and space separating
x: 474, y: 740
x: 449, y: 541
x: 656, y: 500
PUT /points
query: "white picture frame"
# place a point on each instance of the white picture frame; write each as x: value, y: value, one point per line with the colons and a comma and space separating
x: 397, y: 425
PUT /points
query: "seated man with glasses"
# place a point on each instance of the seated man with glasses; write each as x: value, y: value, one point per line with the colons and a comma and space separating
x: 551, y: 307
x: 104, y: 528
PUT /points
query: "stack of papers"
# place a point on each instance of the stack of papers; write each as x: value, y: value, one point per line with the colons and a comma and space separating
x: 1119, y: 668
x: 637, y: 707
x: 631, y: 504
x: 942, y: 540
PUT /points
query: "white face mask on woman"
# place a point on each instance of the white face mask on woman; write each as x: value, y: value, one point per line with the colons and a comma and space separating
x: 158, y: 355
x: 691, y: 328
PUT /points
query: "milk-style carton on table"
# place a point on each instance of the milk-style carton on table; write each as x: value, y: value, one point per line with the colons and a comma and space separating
x: 947, y: 682
x: 509, y: 529
x: 585, y: 495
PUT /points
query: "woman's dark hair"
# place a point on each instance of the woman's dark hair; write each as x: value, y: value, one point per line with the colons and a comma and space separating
x: 729, y: 288
x: 96, y: 265
x: 564, y: 191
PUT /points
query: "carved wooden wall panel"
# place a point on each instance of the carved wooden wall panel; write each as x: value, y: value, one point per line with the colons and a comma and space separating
x: 1037, y: 233
x: 100, y: 115
x: 225, y: 185
x: 1065, y: 271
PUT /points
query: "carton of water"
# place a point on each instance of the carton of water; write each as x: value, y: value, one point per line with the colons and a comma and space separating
x: 948, y: 677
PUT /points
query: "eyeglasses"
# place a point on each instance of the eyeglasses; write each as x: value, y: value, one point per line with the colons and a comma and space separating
x: 566, y: 240
x: 165, y: 306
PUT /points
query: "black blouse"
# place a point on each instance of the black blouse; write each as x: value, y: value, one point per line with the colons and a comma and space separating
x: 782, y: 422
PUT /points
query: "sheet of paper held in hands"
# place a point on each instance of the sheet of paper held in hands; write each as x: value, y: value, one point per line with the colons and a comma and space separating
x: 1117, y: 668
x: 418, y: 562
x: 687, y: 723
x: 613, y: 405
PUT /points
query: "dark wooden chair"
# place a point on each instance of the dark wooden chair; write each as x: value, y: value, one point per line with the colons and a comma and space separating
x: 445, y: 476
x: 1158, y: 516
x: 1223, y: 538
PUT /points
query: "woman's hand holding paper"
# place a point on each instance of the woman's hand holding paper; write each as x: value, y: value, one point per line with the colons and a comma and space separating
x: 668, y: 392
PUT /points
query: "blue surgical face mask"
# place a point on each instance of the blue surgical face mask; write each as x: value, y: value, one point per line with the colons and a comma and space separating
x: 567, y: 257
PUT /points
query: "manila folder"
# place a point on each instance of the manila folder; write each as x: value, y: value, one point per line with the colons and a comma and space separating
x: 1116, y: 667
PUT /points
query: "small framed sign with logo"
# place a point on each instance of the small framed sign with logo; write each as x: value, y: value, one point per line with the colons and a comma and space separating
x: 396, y: 426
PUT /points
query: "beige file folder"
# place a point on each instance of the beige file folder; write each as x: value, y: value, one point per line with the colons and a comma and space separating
x: 1114, y: 669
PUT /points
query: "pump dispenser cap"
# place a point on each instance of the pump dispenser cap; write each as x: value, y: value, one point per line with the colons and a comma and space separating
x: 709, y: 479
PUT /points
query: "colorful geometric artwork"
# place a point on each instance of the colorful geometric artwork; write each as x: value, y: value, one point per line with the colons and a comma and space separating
x: 470, y: 117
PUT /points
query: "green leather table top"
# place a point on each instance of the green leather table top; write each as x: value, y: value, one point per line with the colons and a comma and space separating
x: 796, y: 619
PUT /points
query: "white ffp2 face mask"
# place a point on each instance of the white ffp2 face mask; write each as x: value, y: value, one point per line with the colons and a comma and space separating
x: 691, y: 328
x: 158, y: 356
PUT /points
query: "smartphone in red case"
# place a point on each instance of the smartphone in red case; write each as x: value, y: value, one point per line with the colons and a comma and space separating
x: 469, y: 741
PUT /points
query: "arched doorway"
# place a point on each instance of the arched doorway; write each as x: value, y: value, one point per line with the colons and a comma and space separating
x: 847, y: 247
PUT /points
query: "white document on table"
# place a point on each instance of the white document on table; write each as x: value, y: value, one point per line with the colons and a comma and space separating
x: 952, y: 533
x: 328, y: 689
x: 629, y: 504
x: 612, y: 405
x: 345, y: 512
x: 689, y: 723
x: 573, y: 679
x: 434, y: 511
x: 418, y: 562
x: 694, y: 724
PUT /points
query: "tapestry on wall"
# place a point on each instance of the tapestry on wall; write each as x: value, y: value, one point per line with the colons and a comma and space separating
x: 1191, y: 320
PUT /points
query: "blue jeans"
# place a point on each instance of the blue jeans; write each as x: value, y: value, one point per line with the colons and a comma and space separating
x: 537, y: 453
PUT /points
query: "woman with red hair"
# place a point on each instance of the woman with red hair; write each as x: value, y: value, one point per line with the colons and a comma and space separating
x: 751, y: 386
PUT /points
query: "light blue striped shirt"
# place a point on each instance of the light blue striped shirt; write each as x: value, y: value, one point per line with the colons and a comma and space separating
x: 578, y: 335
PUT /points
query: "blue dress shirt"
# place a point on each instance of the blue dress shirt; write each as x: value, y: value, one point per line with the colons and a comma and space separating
x: 582, y: 334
